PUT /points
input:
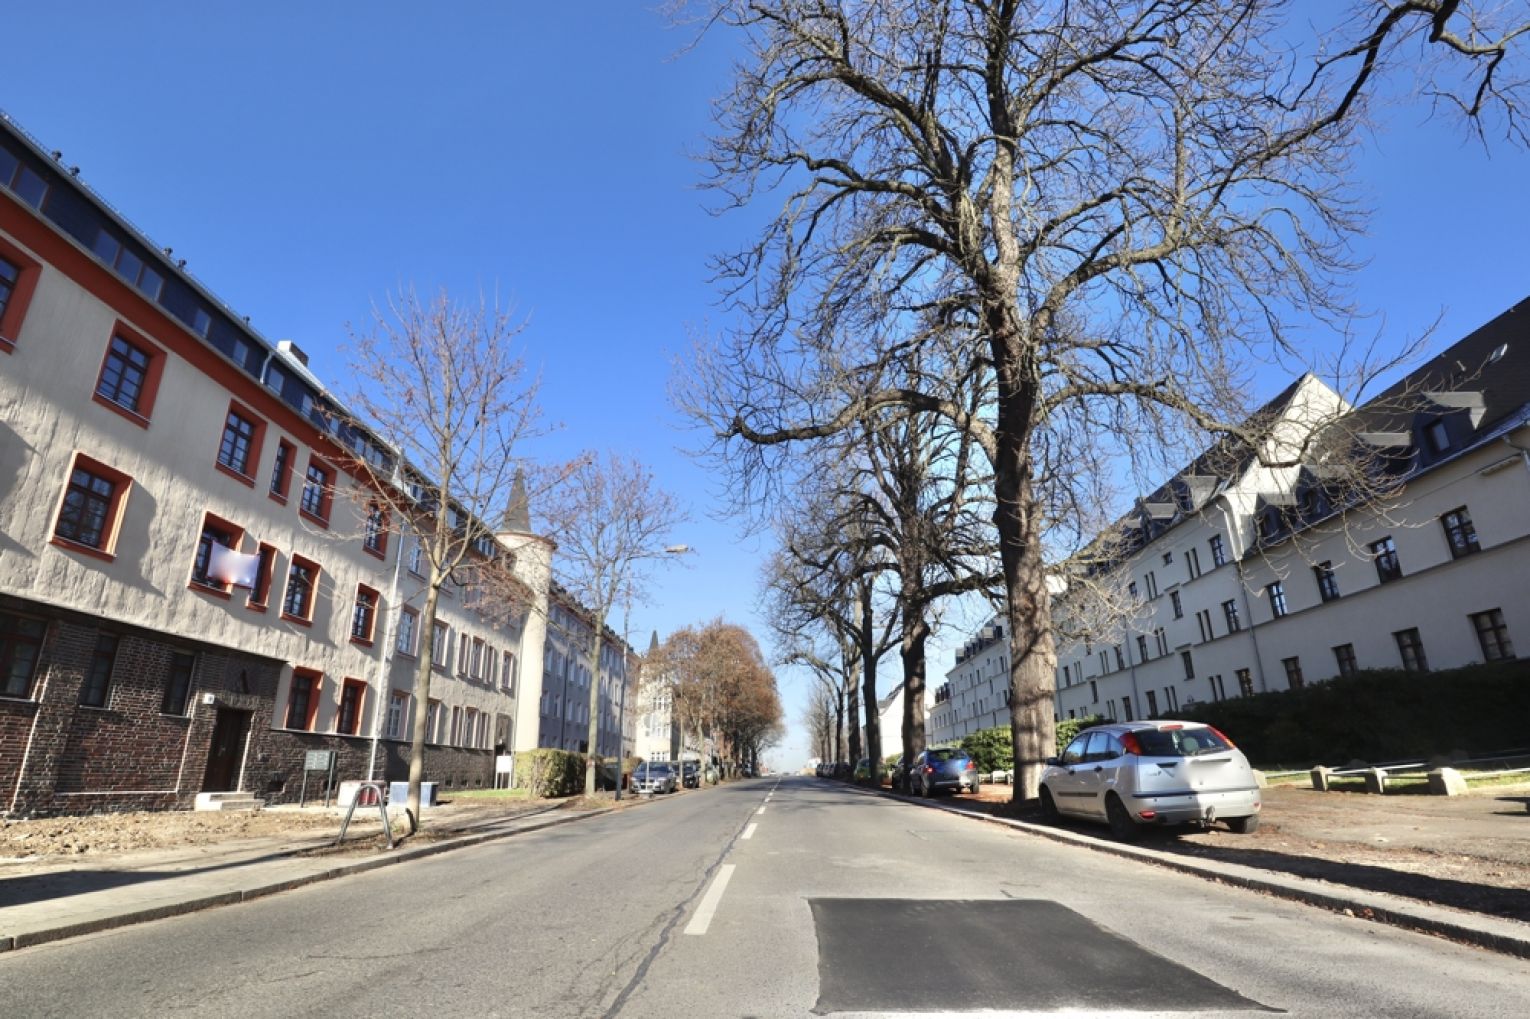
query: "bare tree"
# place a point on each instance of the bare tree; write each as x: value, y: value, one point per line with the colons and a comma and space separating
x: 442, y: 388
x: 1116, y: 205
x: 612, y: 521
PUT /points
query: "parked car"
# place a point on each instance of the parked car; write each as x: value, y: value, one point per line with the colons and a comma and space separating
x: 653, y: 777
x: 942, y: 768
x: 690, y: 774
x: 842, y: 770
x: 897, y: 775
x: 862, y: 770
x: 1135, y: 774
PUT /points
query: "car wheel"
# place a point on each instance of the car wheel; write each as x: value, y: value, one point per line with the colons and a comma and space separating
x: 1049, y: 812
x: 1121, y: 824
x: 1244, y: 825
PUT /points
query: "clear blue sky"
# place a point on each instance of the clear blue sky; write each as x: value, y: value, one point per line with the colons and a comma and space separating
x: 307, y: 159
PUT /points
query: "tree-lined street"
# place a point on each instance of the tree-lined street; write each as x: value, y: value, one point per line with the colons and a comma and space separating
x: 737, y: 901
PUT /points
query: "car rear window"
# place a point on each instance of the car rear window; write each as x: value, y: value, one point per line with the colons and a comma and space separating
x: 946, y: 755
x: 1179, y: 742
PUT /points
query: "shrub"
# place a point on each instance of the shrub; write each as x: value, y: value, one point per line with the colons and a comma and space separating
x: 990, y: 749
x: 1378, y: 715
x: 546, y: 772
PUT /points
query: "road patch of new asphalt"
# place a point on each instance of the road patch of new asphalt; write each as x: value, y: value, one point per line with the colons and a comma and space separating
x: 1492, y: 933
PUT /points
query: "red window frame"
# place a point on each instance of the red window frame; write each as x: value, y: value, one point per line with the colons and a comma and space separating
x: 314, y: 680
x: 29, y: 270
x: 306, y: 619
x: 353, y: 700
x: 260, y: 594
x: 121, y: 485
x: 211, y: 586
x: 281, y: 477
x: 153, y: 373
x: 257, y: 439
x: 326, y: 494
x: 366, y: 639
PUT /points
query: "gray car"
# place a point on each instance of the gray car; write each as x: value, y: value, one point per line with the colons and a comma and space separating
x: 653, y: 777
x: 943, y: 768
x: 1135, y: 774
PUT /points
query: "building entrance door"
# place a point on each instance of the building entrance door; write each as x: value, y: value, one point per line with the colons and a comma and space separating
x: 229, y: 732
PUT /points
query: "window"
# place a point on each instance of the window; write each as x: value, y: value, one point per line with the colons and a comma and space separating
x: 264, y: 568
x: 1293, y: 668
x: 302, y: 582
x: 1094, y: 692
x: 1245, y: 683
x: 1387, y: 566
x: 1203, y: 619
x: 376, y: 538
x: 20, y: 646
x: 1217, y: 691
x: 18, y: 280
x: 1152, y: 584
x: 1277, y: 594
x: 1493, y: 635
x: 440, y: 646
x: 92, y: 507
x: 178, y: 684
x: 215, y: 531
x: 1410, y: 646
x: 128, y: 265
x: 1179, y: 610
x: 1168, y: 557
x: 1171, y: 698
x: 1460, y: 533
x: 408, y: 627
x: 1189, y: 663
x: 417, y: 558
x: 1163, y: 641
x: 1344, y: 657
x: 1120, y: 658
x: 1131, y: 589
x: 1126, y: 707
x: 239, y: 449
x: 1218, y: 551
x: 303, y: 699
x: 1152, y: 703
x: 475, y: 667
x: 1230, y: 612
x: 129, y: 379
x: 1438, y: 435
x: 364, y: 615
x: 318, y: 493
x: 433, y: 722
x: 352, y: 695
x: 456, y: 734
x: 22, y: 179
x: 281, y: 470
x: 398, y: 704
x: 1327, y: 583
x: 507, y: 673
x: 1142, y: 652
x: 1192, y: 563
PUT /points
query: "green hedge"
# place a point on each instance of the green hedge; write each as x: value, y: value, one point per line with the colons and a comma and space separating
x: 1070, y: 727
x: 990, y: 749
x: 547, y: 772
x: 1378, y: 715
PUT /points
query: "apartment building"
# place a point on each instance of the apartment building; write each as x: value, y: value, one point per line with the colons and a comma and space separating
x: 975, y: 694
x: 193, y: 593
x: 1258, y: 578
x: 564, y: 720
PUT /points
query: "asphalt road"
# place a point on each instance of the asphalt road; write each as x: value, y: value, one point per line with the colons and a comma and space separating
x: 764, y: 899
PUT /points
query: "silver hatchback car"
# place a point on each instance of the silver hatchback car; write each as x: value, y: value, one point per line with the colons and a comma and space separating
x: 1135, y: 774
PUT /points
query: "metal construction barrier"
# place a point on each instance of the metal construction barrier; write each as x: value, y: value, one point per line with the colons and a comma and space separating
x: 368, y: 794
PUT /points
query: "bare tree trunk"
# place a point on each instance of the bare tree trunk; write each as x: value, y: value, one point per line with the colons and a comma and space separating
x: 868, y: 649
x: 839, y: 724
x: 916, y: 632
x: 421, y: 707
x: 592, y: 746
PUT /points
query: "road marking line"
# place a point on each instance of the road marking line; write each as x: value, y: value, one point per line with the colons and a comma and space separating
x: 760, y: 811
x: 709, y: 901
x: 749, y: 830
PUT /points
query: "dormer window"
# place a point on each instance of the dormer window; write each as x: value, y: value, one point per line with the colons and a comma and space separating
x: 1438, y: 435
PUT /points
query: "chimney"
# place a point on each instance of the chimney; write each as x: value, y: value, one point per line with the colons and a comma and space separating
x: 293, y: 351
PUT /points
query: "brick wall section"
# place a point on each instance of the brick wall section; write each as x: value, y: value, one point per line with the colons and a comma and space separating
x: 16, y: 719
x: 274, y: 770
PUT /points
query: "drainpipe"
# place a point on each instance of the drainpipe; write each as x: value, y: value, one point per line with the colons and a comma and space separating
x: 390, y: 642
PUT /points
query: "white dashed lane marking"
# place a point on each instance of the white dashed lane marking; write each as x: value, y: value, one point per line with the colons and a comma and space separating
x: 749, y: 830
x: 709, y: 901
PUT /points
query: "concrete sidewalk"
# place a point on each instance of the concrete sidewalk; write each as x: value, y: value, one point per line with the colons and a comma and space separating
x: 43, y: 901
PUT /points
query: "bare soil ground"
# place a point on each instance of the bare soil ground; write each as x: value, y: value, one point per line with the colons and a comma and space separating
x: 1469, y: 852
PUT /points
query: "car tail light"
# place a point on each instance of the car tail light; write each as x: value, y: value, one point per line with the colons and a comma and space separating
x: 1170, y: 728
x: 1223, y: 736
x: 970, y: 767
x: 1129, y: 741
x: 929, y: 770
x: 1147, y: 815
